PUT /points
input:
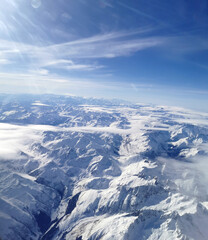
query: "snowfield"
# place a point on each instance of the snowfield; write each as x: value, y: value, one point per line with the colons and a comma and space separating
x: 76, y: 168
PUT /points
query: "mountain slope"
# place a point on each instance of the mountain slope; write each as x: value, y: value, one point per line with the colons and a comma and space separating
x: 75, y: 168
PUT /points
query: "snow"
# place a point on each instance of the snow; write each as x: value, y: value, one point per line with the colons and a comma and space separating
x: 205, y: 204
x: 92, y: 169
x: 8, y: 113
x: 38, y: 103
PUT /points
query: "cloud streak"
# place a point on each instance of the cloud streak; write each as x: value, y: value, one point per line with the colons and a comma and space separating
x: 141, y: 13
x: 105, y: 48
x: 73, y: 55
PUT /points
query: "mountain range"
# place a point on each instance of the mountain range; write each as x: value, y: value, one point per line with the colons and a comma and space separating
x: 87, y: 169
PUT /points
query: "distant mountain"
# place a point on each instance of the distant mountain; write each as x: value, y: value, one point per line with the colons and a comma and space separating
x: 76, y: 168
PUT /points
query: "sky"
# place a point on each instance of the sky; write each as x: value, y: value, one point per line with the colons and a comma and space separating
x: 153, y: 51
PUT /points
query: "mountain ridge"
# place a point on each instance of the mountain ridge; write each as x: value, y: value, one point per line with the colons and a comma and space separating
x: 74, y: 170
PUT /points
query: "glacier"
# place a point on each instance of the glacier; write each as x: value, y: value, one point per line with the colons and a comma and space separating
x: 84, y: 168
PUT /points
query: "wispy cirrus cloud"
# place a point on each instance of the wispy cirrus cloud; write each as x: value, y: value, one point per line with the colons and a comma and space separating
x: 78, y: 54
x: 34, y: 64
x: 197, y: 92
x: 104, y: 48
x: 71, y: 65
x: 137, y: 11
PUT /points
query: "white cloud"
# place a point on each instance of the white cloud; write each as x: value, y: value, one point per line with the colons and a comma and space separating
x: 71, y: 65
x: 65, y: 17
x: 104, y: 46
x: 74, y: 54
x: 5, y: 61
x: 40, y: 71
x: 13, y: 140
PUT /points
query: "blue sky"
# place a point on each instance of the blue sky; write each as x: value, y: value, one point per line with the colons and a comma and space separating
x: 153, y: 51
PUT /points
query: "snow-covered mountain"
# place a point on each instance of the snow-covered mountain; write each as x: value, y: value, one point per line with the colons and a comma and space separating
x: 77, y: 169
